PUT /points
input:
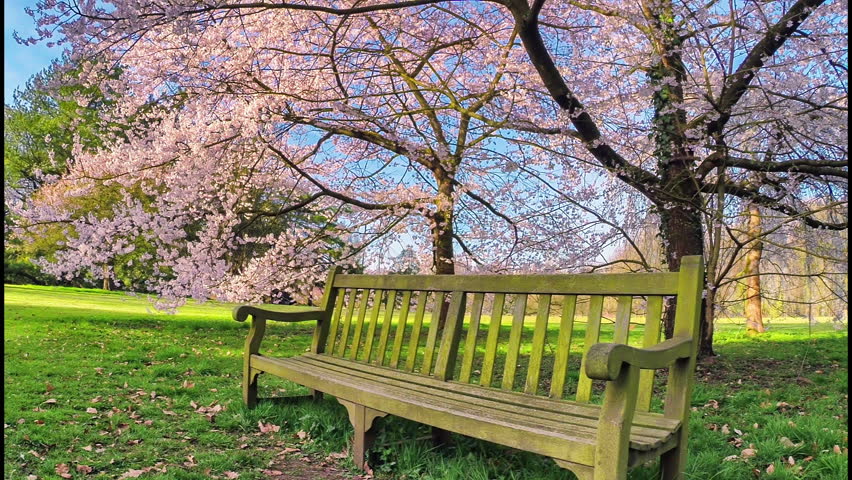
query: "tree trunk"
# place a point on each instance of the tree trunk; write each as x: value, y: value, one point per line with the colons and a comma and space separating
x: 753, y: 310
x: 106, y: 276
x: 442, y: 238
x: 682, y: 233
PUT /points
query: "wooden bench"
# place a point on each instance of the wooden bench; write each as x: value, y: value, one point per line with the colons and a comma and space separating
x: 514, y: 393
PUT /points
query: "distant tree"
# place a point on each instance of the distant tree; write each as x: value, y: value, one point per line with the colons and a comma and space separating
x: 405, y: 263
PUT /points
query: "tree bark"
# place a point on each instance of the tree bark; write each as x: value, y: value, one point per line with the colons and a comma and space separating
x: 442, y: 237
x: 753, y: 310
x: 106, y: 276
x: 682, y: 233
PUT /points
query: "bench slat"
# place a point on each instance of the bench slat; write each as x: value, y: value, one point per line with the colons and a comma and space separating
x: 593, y: 330
x: 563, y: 346
x: 374, y: 320
x: 514, y: 346
x: 359, y: 327
x: 384, y: 334
x: 347, y: 323
x: 653, y: 323
x: 399, y: 335
x: 335, y: 319
x: 432, y: 336
x: 448, y: 350
x: 470, y: 340
x: 491, y: 341
x: 539, y: 335
x: 622, y: 319
x: 414, y: 342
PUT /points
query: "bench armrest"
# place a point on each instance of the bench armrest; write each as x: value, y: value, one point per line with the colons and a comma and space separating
x: 604, y: 360
x: 268, y: 312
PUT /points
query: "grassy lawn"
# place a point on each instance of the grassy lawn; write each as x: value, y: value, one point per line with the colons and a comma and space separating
x: 99, y: 385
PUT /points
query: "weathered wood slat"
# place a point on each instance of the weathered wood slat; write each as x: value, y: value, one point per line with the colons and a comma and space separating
x: 651, y: 336
x: 563, y: 346
x: 470, y: 339
x: 593, y: 330
x: 414, y: 341
x: 399, y: 335
x: 374, y: 320
x: 347, y: 322
x: 491, y: 341
x: 537, y: 346
x: 514, y: 346
x: 432, y: 336
x: 568, y: 407
x: 599, y: 284
x: 644, y: 438
x: 448, y: 350
x: 359, y: 328
x: 384, y: 334
x: 335, y: 320
x: 622, y: 319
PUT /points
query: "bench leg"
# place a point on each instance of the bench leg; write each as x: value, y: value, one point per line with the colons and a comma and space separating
x: 250, y: 387
x: 316, y: 395
x: 673, y: 463
x: 583, y: 472
x: 362, y: 419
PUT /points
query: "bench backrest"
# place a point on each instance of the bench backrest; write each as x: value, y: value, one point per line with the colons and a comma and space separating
x: 393, y: 321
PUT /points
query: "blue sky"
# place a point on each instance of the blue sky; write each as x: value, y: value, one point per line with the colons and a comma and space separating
x: 21, y: 62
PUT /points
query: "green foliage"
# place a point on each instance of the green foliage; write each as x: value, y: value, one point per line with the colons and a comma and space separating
x: 785, y: 392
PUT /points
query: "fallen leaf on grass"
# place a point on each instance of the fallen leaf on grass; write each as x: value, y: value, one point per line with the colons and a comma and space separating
x: 770, y: 468
x: 32, y: 477
x: 748, y: 452
x: 49, y: 387
x: 84, y: 469
x: 169, y: 412
x: 87, y: 448
x: 231, y: 475
x: 91, y: 410
x: 272, y: 472
x: 338, y: 455
x: 96, y: 399
x: 291, y: 450
x: 268, y: 427
x: 302, y: 434
x: 791, y: 461
x: 50, y: 401
x: 62, y: 470
x: 132, y: 473
x: 725, y: 429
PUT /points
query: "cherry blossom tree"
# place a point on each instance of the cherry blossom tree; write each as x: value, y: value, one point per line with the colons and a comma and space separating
x: 382, y: 128
x: 680, y: 102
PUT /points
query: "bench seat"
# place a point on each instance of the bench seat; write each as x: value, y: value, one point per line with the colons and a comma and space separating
x: 560, y: 429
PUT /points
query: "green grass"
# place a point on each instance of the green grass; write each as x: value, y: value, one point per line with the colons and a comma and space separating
x: 66, y: 348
